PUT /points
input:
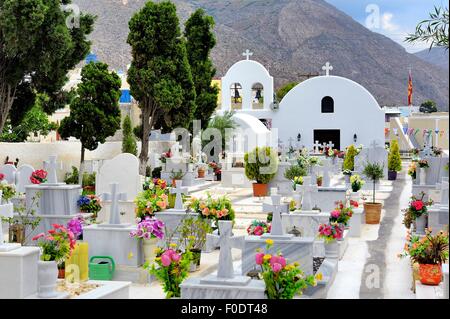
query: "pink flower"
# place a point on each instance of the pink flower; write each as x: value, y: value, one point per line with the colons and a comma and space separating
x: 278, y: 260
x: 176, y: 257
x: 259, y: 258
x: 258, y: 231
x: 2, y: 176
x: 335, y: 214
x: 418, y: 205
x: 166, y: 260
x: 276, y: 267
x: 38, y: 236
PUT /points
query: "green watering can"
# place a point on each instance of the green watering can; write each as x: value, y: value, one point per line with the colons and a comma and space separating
x: 102, y: 269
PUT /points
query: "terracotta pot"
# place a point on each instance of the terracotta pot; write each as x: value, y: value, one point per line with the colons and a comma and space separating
x: 201, y: 173
x: 373, y: 213
x: 430, y: 274
x: 260, y: 190
x: 392, y: 175
x: 61, y: 273
x: 319, y: 183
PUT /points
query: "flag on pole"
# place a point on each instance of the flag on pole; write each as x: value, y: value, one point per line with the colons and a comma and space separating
x: 410, y: 89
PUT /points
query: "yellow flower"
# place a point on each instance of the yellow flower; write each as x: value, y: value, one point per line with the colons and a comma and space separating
x: 269, y: 242
x: 319, y: 276
x: 172, y: 245
x: 157, y: 258
x: 157, y: 250
x: 267, y: 257
x: 130, y: 255
x: 191, y: 237
x: 296, y: 264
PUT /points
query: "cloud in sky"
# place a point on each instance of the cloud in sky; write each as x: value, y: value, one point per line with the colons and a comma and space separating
x: 387, y: 22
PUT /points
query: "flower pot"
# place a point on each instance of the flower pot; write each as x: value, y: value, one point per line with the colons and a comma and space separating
x: 47, y: 276
x: 149, y: 246
x: 17, y: 234
x: 260, y: 190
x: 430, y: 274
x: 422, y: 176
x: 392, y: 175
x: 218, y: 177
x: 373, y: 213
x: 355, y: 196
x: 332, y: 250
x: 421, y: 224
x: 319, y: 183
x: 201, y: 173
x: 62, y: 273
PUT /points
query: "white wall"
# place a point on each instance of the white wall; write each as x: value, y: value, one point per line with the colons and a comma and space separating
x: 355, y: 111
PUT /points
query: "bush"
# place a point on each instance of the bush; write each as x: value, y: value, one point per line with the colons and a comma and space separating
x: 261, y: 164
x: 349, y: 161
x: 129, y: 140
x: 294, y: 171
x: 394, y: 160
x: 72, y: 178
x: 373, y: 171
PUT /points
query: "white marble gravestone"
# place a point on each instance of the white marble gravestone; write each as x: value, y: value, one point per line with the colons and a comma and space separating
x: 179, y: 190
x: 374, y: 154
x: 7, y: 211
x: 23, y: 177
x: 52, y: 166
x: 307, y: 190
x: 280, y: 182
x: 10, y: 172
x: 327, y: 168
x: 276, y: 208
x: 114, y: 217
x: 224, y: 284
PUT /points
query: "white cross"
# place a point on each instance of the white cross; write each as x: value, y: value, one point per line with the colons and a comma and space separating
x: 179, y: 190
x: 330, y: 145
x: 225, y: 241
x: 7, y: 211
x: 114, y: 197
x: 307, y: 189
x: 317, y: 146
x: 374, y: 144
x: 327, y: 168
x: 247, y: 54
x: 327, y: 68
x: 51, y: 166
x: 276, y: 209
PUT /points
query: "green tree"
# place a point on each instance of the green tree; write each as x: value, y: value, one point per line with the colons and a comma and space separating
x: 433, y: 30
x: 200, y: 40
x: 128, y: 141
x: 428, y: 106
x: 222, y: 123
x: 281, y: 93
x: 94, y: 112
x: 349, y: 161
x: 160, y: 77
x: 39, y: 44
x: 394, y: 160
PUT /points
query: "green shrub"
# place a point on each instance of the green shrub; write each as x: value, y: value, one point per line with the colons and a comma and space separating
x: 349, y: 161
x: 394, y: 160
x: 261, y: 165
x: 374, y: 172
x: 129, y: 144
x: 294, y: 171
x: 72, y: 178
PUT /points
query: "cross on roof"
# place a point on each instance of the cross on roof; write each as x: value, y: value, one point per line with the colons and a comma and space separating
x: 327, y: 68
x: 179, y: 190
x: 247, y: 54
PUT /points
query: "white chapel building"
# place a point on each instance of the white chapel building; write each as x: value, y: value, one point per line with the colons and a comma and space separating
x: 321, y: 109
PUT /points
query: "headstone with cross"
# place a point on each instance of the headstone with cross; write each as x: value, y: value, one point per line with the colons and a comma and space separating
x: 297, y: 197
x: 225, y: 241
x: 308, y: 189
x: 276, y: 208
x: 317, y: 146
x: 51, y: 166
x: 114, y: 216
x: 327, y: 168
x: 327, y: 68
x: 444, y: 192
x: 6, y: 211
x: 247, y: 54
x: 179, y: 190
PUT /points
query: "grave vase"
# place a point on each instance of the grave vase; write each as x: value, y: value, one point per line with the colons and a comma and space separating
x: 430, y: 275
x: 423, y: 176
x: 355, y: 196
x: 332, y: 250
x: 47, y: 276
x: 421, y: 224
x: 149, y: 246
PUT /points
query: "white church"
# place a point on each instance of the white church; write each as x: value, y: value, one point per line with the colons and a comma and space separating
x: 322, y: 109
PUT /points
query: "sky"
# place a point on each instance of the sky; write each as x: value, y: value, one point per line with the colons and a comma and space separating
x: 392, y: 18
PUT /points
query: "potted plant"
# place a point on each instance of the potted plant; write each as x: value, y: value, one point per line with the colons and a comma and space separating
x: 282, y: 281
x: 90, y: 204
x: 214, y: 209
x: 201, y: 170
x: 149, y: 230
x: 349, y: 159
x: 319, y: 180
x: 193, y: 233
x: 261, y: 165
x: 150, y: 201
x: 258, y: 228
x: 347, y: 174
x: 412, y: 171
x: 56, y: 247
x: 176, y: 176
x: 171, y: 266
x: 430, y: 252
x: 373, y: 171
x: 356, y: 183
x: 38, y: 177
x: 331, y: 233
x: 417, y: 212
x: 394, y: 161
x: 8, y: 192
x: 341, y: 214
x: 423, y: 165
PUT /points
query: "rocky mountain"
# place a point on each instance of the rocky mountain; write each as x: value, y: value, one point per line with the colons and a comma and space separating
x: 436, y: 56
x: 291, y: 38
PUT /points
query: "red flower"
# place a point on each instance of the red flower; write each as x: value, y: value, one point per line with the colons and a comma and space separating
x: 418, y: 205
x: 2, y: 176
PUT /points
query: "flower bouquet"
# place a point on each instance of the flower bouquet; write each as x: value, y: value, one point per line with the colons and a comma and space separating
x: 75, y: 225
x: 8, y: 191
x: 165, y: 156
x: 356, y: 183
x: 148, y: 228
x: 412, y: 170
x: 341, y: 214
x: 423, y: 163
x: 171, y: 267
x: 57, y: 245
x: 38, y: 177
x: 282, y: 281
x: 258, y: 228
x: 330, y: 232
x: 417, y: 208
x: 151, y: 201
x: 215, y: 209
x: 90, y: 204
